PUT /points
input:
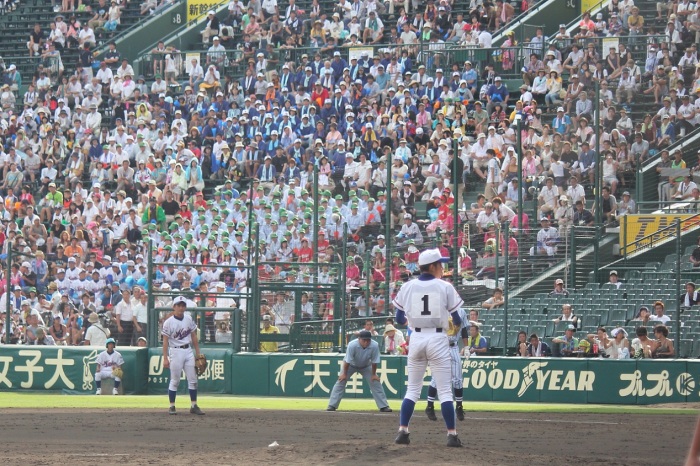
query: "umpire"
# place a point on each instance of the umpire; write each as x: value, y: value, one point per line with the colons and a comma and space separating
x: 362, y: 356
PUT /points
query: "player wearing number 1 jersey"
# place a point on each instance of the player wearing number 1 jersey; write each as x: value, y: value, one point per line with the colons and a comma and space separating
x: 428, y: 303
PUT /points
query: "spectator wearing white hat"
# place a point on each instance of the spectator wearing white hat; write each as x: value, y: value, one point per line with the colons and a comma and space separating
x: 211, y: 28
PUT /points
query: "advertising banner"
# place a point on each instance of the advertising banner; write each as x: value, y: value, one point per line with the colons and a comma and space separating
x: 198, y: 8
x: 586, y: 5
x: 547, y: 380
x: 216, y: 379
x: 312, y: 375
x: 633, y: 228
x: 66, y: 368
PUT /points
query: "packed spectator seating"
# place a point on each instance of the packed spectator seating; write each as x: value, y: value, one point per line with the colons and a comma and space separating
x: 215, y: 157
x: 30, y: 27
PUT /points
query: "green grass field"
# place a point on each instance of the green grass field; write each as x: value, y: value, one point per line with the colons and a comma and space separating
x: 57, y: 401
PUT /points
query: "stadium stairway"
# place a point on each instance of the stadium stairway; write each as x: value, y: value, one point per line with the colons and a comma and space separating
x: 643, y: 104
x: 16, y: 26
x: 539, y: 14
x: 149, y: 28
x: 689, y: 145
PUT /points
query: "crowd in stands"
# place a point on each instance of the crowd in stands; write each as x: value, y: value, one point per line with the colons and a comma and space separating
x: 8, y: 5
x: 97, y: 163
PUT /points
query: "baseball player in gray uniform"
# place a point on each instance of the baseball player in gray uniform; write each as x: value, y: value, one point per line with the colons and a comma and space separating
x: 454, y: 333
x: 362, y: 356
x: 179, y: 337
x: 428, y: 303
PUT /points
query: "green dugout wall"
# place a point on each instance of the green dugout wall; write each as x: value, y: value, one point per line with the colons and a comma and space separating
x: 546, y: 380
x: 70, y: 369
x: 216, y: 379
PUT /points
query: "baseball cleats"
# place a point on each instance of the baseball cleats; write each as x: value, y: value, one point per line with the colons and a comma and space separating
x: 402, y: 438
x: 430, y: 412
x: 331, y: 408
x: 195, y: 410
x: 98, y: 392
x: 460, y: 413
x: 172, y: 411
x: 115, y: 391
x: 454, y: 441
x: 385, y: 409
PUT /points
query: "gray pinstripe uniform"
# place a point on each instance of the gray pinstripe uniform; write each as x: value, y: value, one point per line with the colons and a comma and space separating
x: 456, y: 359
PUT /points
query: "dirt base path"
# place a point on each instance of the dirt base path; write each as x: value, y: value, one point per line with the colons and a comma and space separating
x: 242, y: 437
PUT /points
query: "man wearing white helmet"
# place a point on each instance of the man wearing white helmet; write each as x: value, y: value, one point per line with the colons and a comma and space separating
x: 109, y: 364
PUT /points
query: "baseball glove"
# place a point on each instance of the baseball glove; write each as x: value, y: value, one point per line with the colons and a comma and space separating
x: 117, y: 372
x: 453, y: 329
x: 200, y: 364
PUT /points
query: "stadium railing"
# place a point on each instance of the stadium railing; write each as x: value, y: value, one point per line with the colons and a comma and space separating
x: 648, y: 178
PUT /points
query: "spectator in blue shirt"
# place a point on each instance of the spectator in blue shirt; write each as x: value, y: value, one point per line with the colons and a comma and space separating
x: 561, y: 123
x: 497, y: 94
x: 585, y: 166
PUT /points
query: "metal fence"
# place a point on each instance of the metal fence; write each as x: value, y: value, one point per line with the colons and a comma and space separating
x: 656, y: 267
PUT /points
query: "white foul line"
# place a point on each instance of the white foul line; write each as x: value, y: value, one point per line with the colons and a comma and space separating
x: 553, y: 421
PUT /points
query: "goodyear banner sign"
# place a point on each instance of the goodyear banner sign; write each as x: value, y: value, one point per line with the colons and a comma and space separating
x: 65, y: 368
x: 198, y: 8
x: 216, y: 379
x: 547, y: 380
x: 641, y: 231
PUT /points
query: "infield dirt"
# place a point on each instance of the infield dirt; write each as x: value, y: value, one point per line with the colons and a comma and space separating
x: 90, y: 437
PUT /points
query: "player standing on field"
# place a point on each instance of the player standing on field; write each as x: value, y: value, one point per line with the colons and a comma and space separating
x: 454, y: 333
x: 427, y: 303
x: 179, y: 337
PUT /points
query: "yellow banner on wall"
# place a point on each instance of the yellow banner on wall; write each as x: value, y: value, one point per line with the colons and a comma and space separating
x: 587, y: 5
x: 198, y: 8
x: 644, y: 231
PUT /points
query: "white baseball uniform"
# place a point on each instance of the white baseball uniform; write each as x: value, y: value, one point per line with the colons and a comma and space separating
x: 105, y: 363
x: 180, y: 333
x: 428, y: 302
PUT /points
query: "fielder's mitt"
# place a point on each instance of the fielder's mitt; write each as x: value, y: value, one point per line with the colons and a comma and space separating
x: 200, y: 364
x: 117, y: 372
x: 453, y: 329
